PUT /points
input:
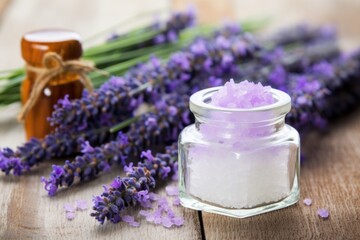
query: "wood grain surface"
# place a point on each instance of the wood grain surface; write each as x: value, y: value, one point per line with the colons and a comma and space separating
x: 330, y: 173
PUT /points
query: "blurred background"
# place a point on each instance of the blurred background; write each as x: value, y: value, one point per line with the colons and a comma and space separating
x: 89, y: 17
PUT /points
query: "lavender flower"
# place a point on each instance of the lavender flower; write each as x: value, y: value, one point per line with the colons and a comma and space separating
x: 178, y: 21
x: 57, y: 144
x: 303, y: 33
x: 165, y: 126
x: 321, y: 87
x: 130, y: 191
x: 111, y: 104
x: 168, y: 31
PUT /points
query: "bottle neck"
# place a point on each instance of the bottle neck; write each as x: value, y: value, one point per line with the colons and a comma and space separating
x: 228, y: 128
x: 239, y: 124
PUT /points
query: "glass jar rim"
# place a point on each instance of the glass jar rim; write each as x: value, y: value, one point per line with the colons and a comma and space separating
x: 199, y: 102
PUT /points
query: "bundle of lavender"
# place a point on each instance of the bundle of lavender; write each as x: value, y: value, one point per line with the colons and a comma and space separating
x: 203, y: 63
x: 306, y: 63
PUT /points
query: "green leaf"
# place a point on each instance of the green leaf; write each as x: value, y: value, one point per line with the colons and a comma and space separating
x: 124, y: 124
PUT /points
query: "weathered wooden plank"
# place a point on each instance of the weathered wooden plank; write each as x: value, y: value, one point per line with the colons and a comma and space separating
x: 329, y: 175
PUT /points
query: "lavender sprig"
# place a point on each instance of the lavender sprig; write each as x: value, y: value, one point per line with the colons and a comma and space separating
x: 177, y: 22
x: 303, y: 33
x: 316, y: 89
x: 163, y: 125
x: 133, y: 189
x: 53, y: 145
x: 106, y: 106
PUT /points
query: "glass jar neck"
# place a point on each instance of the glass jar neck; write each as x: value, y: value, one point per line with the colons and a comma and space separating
x: 224, y: 123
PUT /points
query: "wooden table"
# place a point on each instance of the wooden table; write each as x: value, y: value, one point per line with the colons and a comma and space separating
x: 330, y: 175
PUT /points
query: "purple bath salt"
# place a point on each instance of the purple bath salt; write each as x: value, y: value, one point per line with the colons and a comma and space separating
x: 249, y: 171
x: 307, y: 201
x: 242, y: 95
x: 323, y: 213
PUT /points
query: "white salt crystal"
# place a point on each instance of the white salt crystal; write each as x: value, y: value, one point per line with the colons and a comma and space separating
x: 222, y: 176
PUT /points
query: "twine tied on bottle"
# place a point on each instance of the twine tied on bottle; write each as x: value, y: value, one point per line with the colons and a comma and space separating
x: 55, y: 66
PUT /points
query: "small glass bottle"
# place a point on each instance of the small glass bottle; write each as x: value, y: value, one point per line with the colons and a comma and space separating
x: 34, y: 45
x: 239, y: 162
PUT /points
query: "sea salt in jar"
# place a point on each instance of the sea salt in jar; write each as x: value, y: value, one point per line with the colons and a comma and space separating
x: 239, y: 161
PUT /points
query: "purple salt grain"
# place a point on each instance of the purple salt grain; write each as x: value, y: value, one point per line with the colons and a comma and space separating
x: 242, y: 95
x: 150, y: 217
x: 307, y: 201
x: 154, y: 196
x: 172, y: 190
x: 178, y: 221
x: 170, y: 213
x: 144, y: 213
x: 163, y: 214
x: 323, y: 213
x: 157, y: 219
x: 166, y: 222
x: 134, y: 224
x: 176, y: 201
x: 70, y: 215
x: 81, y: 205
x: 130, y: 220
x: 69, y: 208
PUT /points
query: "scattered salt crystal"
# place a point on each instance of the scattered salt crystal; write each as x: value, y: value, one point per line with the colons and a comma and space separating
x: 162, y: 202
x: 172, y: 190
x: 170, y: 213
x: 176, y: 201
x: 127, y: 218
x: 163, y: 214
x: 166, y: 222
x: 81, y: 204
x: 144, y: 213
x: 307, y: 201
x: 134, y: 224
x: 68, y: 207
x: 178, y: 221
x: 70, y: 215
x: 154, y: 196
x: 323, y: 213
x: 150, y: 218
x: 130, y: 220
x: 157, y: 219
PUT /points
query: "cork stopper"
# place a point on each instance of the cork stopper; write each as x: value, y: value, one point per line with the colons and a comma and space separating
x: 64, y: 42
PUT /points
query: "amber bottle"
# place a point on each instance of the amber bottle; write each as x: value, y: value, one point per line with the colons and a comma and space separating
x: 34, y: 46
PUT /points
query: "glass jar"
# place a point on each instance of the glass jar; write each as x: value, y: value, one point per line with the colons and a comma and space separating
x: 239, y: 162
x: 34, y: 45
